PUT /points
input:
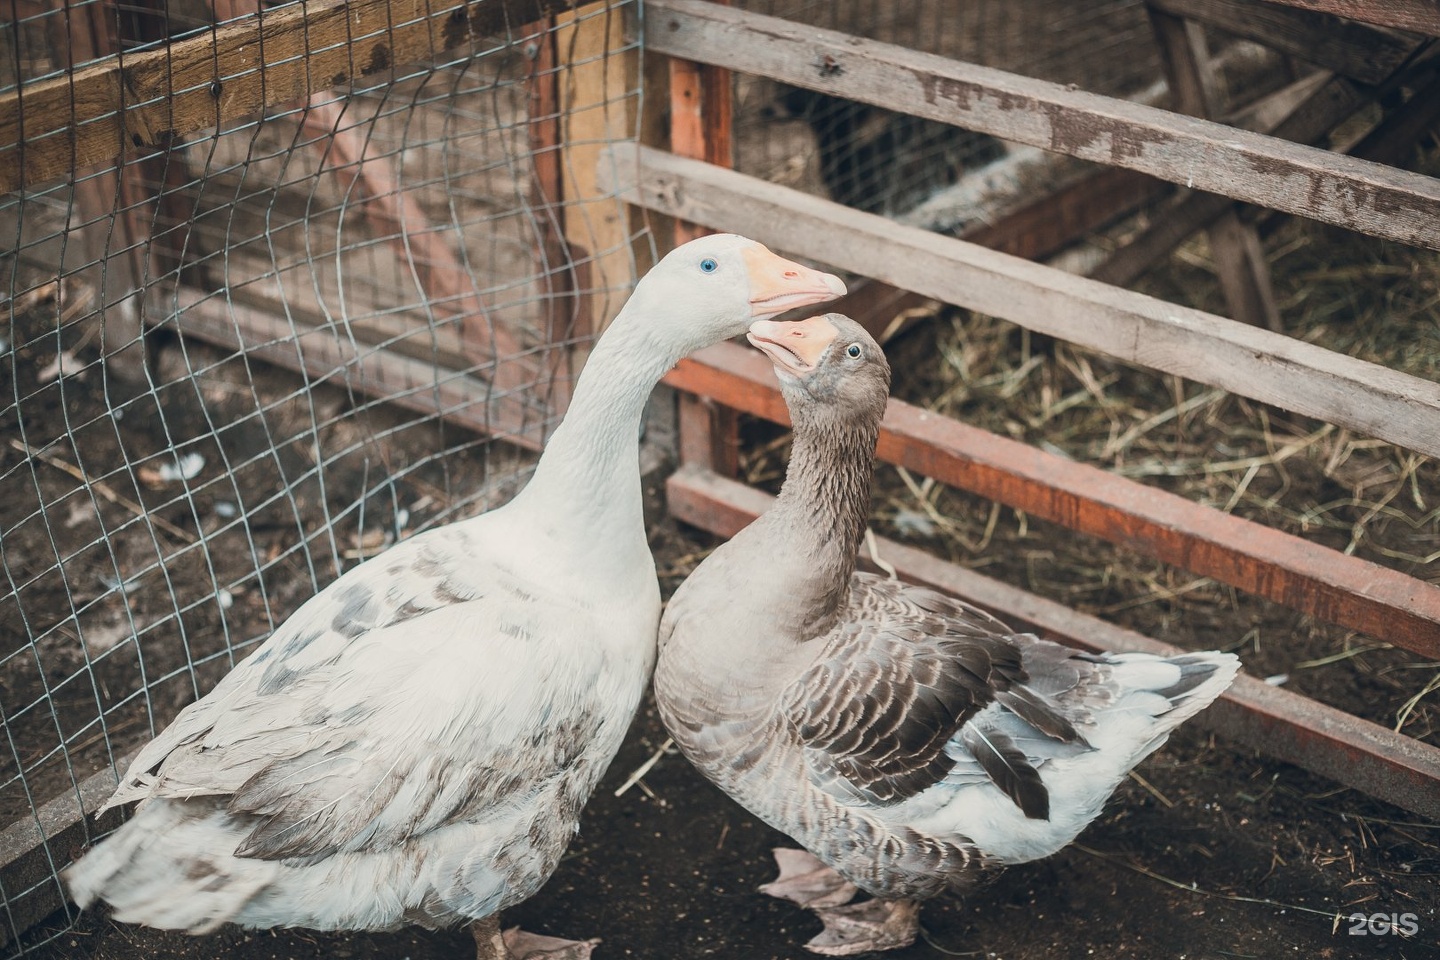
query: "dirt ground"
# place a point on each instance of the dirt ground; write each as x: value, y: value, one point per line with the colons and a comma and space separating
x: 1209, y: 853
x: 1222, y: 856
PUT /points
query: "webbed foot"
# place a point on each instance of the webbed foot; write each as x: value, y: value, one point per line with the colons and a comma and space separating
x: 805, y: 880
x: 865, y: 927
x: 516, y: 944
x: 533, y: 946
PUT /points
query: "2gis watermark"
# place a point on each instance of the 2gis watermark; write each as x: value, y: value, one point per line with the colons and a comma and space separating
x: 1379, y: 924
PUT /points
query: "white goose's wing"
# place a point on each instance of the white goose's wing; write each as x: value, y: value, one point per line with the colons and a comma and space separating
x: 392, y: 703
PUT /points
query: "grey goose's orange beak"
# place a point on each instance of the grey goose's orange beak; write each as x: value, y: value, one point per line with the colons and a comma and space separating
x: 794, y: 346
x: 777, y: 284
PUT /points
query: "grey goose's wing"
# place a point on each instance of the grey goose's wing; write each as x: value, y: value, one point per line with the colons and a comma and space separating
x: 903, y: 671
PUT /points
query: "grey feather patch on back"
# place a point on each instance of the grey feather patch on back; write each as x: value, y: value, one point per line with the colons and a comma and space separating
x: 1041, y: 715
x: 896, y: 682
x: 357, y: 611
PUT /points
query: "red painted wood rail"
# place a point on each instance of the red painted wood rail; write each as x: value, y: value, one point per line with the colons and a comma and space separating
x: 1278, y: 566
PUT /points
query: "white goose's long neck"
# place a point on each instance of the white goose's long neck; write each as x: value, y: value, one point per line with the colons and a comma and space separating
x: 586, y: 487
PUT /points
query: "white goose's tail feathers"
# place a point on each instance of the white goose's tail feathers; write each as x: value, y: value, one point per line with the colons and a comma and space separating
x: 152, y: 870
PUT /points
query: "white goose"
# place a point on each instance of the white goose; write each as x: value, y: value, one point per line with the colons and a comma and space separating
x: 415, y: 744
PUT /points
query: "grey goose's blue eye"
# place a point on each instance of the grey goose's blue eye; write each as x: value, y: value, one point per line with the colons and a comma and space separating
x: 853, y: 351
x: 708, y: 265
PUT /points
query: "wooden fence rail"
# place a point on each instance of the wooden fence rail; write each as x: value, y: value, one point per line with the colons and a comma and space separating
x: 1201, y: 154
x: 54, y: 127
x: 1422, y: 16
x: 1254, y: 363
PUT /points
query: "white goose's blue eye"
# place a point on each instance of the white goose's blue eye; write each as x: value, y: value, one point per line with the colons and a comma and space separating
x: 853, y: 351
x: 708, y: 265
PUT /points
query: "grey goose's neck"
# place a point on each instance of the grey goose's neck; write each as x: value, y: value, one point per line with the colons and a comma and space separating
x: 822, y: 512
x: 751, y: 620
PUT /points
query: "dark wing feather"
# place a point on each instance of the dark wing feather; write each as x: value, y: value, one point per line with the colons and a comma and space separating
x: 899, y: 676
x: 1009, y: 769
x: 1034, y: 710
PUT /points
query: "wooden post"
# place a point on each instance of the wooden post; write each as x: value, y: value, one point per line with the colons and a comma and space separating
x: 702, y: 128
x: 599, y: 86
x: 1234, y: 244
x: 107, y: 204
x: 553, y: 258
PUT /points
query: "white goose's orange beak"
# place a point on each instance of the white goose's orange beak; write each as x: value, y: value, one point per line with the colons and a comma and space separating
x: 794, y: 346
x: 777, y: 284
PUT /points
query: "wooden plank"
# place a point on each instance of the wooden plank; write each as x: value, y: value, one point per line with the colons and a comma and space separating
x: 559, y: 278
x: 1051, y: 223
x: 1036, y: 230
x: 1326, y: 106
x: 1270, y: 720
x: 33, y: 848
x: 1235, y: 247
x: 702, y: 128
x: 109, y: 206
x: 599, y: 82
x: 1255, y: 363
x: 1365, y: 53
x: 701, y: 120
x: 1277, y: 566
x: 1422, y: 16
x: 323, y: 354
x: 709, y: 435
x: 687, y: 126
x: 53, y: 127
x: 1197, y: 153
x: 1394, y: 138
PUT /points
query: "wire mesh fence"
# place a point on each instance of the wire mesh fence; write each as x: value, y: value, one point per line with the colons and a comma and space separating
x: 245, y: 358
x: 889, y: 163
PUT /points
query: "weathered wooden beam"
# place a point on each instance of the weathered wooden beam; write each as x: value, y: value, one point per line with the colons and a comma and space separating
x: 461, y: 398
x: 1422, y: 16
x: 1325, y: 106
x: 599, y: 84
x: 1235, y: 247
x: 702, y: 127
x: 1255, y: 363
x: 52, y: 127
x: 1273, y: 721
x: 112, y: 208
x: 1365, y: 53
x: 1393, y: 140
x: 1278, y: 566
x: 33, y: 848
x: 1197, y: 153
x: 701, y: 120
x: 1036, y: 230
